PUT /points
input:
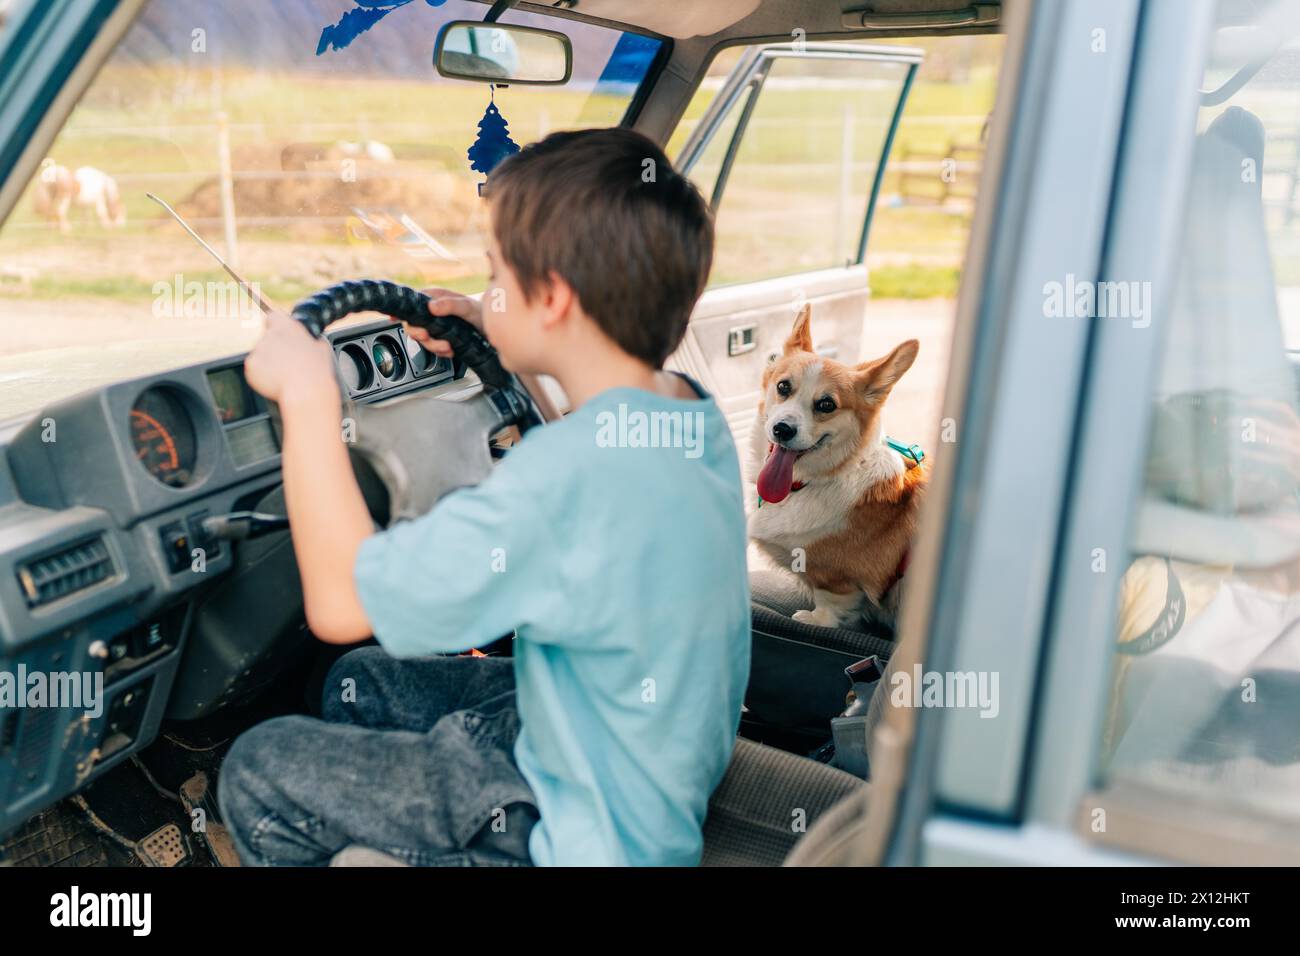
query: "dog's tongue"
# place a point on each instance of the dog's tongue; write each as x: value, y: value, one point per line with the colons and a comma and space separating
x: 777, y: 476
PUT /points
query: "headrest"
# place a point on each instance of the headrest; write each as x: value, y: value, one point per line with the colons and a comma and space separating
x: 1224, y: 463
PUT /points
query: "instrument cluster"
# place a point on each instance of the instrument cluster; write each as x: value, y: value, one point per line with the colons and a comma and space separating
x: 383, y: 358
x: 168, y: 435
x: 163, y: 437
x: 168, y: 440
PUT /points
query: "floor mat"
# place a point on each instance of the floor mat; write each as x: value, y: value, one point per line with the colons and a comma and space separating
x: 152, y: 795
x: 59, y: 836
x: 142, y: 812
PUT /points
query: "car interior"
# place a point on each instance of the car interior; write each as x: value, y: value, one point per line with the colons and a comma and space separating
x: 100, y: 529
x: 142, y: 534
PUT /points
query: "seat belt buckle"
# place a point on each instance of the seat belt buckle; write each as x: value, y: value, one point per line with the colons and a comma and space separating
x: 863, y: 677
x: 849, y: 730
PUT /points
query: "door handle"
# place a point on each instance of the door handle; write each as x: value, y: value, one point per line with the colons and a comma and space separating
x: 741, y: 339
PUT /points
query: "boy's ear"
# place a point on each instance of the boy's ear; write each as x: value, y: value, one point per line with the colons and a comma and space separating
x: 878, y: 377
x: 557, y: 296
x: 800, y: 339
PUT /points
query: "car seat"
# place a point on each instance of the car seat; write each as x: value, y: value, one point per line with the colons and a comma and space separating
x: 1193, y: 620
x: 797, y: 681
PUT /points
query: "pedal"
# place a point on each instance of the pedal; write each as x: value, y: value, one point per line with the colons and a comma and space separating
x: 195, y: 793
x: 166, y: 846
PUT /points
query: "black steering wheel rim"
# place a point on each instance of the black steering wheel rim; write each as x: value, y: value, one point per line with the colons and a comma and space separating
x: 319, y: 311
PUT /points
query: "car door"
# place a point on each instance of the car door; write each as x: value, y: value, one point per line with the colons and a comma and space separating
x: 1125, y: 581
x: 791, y: 154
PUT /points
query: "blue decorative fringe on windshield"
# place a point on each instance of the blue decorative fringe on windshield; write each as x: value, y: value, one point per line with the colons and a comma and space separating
x: 358, y: 21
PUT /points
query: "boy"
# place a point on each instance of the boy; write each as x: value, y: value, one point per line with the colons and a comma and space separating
x: 617, y: 561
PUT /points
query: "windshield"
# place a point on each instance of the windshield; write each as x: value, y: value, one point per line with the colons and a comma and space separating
x: 308, y: 141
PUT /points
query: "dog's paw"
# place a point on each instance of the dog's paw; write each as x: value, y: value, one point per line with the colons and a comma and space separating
x: 820, y: 617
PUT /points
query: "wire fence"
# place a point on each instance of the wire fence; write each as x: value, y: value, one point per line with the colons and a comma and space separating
x: 213, y: 140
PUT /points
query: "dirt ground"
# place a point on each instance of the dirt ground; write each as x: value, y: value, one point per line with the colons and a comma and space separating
x: 95, y: 343
x: 913, y: 411
x: 53, y: 349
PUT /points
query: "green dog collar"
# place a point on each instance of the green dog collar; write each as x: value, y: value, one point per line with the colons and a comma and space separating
x: 912, y: 452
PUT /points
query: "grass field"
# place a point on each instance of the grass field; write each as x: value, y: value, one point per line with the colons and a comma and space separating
x: 155, y: 130
x: 795, y: 142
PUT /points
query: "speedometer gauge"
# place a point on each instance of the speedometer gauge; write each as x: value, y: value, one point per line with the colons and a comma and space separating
x: 162, y: 434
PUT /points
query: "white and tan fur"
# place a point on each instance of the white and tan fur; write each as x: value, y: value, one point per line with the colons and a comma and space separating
x: 58, y: 189
x: 847, y: 531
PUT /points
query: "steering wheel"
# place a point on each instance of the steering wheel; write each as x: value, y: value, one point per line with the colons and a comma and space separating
x: 422, y: 446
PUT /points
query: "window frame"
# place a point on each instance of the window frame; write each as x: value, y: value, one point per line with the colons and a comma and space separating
x: 1147, y: 227
x: 988, y: 544
x: 1021, y: 396
x: 1050, y: 768
x: 1144, y: 238
x: 746, y: 83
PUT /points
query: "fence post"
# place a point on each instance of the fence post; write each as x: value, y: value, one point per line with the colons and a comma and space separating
x: 227, y: 190
x: 846, y: 183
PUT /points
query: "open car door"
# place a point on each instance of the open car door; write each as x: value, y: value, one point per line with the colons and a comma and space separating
x: 791, y: 154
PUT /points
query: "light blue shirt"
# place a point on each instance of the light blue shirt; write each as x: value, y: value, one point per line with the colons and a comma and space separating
x: 613, y: 544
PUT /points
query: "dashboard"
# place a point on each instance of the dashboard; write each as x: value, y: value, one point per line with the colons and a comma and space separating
x: 377, y: 361
x: 106, y: 569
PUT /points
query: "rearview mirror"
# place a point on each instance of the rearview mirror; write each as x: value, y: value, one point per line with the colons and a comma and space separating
x: 500, y: 53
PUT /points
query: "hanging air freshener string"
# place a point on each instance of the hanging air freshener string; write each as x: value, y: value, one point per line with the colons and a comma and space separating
x: 493, y: 143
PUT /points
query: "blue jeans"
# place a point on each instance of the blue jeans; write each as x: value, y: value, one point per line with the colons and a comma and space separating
x: 412, y: 757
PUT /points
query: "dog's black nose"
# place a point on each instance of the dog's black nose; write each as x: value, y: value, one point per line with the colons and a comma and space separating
x: 783, y: 431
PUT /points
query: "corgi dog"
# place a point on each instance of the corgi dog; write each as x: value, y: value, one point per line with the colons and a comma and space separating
x: 838, y: 505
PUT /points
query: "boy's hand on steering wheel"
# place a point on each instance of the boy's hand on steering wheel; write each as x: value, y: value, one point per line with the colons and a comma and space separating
x: 287, y: 364
x: 446, y: 302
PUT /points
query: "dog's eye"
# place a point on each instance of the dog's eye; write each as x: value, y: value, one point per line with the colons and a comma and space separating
x: 824, y: 405
x: 783, y: 387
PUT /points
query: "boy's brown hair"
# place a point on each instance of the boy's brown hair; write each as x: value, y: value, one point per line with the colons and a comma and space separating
x: 605, y: 210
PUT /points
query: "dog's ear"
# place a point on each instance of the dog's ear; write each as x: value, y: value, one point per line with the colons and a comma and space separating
x: 800, y: 339
x: 878, y: 377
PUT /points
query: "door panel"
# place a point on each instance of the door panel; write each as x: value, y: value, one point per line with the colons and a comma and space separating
x: 838, y: 298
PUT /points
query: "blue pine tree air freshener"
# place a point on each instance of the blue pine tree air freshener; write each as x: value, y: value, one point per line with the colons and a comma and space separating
x: 493, y: 144
x: 356, y: 22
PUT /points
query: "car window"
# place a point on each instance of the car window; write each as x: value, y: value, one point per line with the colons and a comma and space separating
x: 305, y: 164
x: 797, y: 191
x: 1205, y: 695
x: 797, y: 196
x: 922, y: 218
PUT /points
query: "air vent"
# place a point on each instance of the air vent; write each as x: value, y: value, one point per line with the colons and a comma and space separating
x: 58, y: 575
